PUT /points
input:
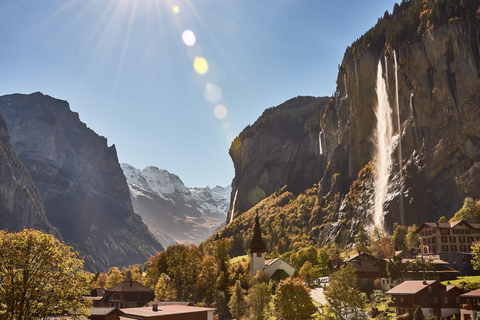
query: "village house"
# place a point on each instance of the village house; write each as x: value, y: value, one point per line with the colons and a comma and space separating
x: 126, y: 294
x: 372, y: 272
x: 275, y: 268
x: 450, y: 242
x: 433, y: 297
x: 470, y: 307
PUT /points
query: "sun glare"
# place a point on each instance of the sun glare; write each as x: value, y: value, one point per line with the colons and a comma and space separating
x: 200, y: 65
x: 188, y: 37
x: 220, y: 111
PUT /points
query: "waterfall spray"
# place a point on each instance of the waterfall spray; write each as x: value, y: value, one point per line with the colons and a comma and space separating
x: 400, y: 161
x: 383, y: 137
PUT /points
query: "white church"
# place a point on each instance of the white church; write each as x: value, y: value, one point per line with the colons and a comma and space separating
x: 275, y: 268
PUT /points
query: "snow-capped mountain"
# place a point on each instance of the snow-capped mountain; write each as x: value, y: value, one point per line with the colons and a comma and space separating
x: 173, y: 212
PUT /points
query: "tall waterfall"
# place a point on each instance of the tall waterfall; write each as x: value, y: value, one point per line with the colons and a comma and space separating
x: 233, y: 205
x: 382, y: 140
x: 400, y: 157
x: 320, y: 141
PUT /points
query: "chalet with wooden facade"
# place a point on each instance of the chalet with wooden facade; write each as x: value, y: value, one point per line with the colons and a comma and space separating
x: 433, y: 298
x: 127, y: 294
x: 470, y: 307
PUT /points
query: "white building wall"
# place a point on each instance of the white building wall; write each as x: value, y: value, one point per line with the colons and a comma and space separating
x: 279, y: 264
x: 257, y: 262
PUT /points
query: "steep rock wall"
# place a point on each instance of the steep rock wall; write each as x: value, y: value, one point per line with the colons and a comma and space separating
x: 80, y: 180
x: 20, y: 203
x: 281, y: 148
x: 439, y: 106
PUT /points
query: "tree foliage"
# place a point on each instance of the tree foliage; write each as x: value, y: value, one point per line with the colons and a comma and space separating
x: 292, y: 301
x: 237, y: 303
x: 344, y: 298
x: 40, y: 276
x: 470, y: 212
x: 362, y: 241
x: 258, y: 300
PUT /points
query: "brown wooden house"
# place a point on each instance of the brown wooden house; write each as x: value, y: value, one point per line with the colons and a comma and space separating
x: 433, y: 298
x: 127, y: 294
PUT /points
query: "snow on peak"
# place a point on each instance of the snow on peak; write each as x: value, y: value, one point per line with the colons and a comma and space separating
x: 170, y: 187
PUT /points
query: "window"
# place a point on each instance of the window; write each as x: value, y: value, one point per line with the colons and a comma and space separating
x: 457, y: 299
x: 445, y: 232
x: 463, y: 248
x: 469, y: 239
x: 428, y: 241
x: 425, y: 250
x: 467, y: 231
x: 444, y: 239
x: 445, y: 248
x: 454, y: 259
x: 400, y: 299
x: 453, y: 239
x: 424, y: 241
x: 461, y: 239
x: 429, y: 289
x: 429, y: 232
x: 435, y: 299
x: 445, y: 299
x: 461, y: 231
x: 453, y: 248
x: 434, y: 239
x: 434, y: 248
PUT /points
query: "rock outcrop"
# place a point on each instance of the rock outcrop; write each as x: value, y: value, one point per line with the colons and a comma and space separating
x: 174, y: 213
x: 80, y: 180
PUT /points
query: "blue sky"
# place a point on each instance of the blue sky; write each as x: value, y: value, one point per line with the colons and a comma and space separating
x: 124, y: 66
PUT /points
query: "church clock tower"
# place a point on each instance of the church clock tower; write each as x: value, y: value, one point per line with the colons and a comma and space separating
x: 257, y: 249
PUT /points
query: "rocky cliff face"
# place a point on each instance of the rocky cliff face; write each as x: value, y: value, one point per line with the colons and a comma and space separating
x: 80, y: 180
x: 173, y: 212
x: 438, y: 111
x: 20, y: 203
x: 439, y: 136
x: 281, y: 148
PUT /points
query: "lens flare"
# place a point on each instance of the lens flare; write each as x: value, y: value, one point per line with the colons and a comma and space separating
x: 176, y: 9
x: 200, y: 65
x: 188, y: 37
x: 220, y: 111
x: 212, y: 93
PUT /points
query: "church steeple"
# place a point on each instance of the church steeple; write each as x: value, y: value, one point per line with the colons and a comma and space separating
x: 257, y: 245
x: 257, y: 249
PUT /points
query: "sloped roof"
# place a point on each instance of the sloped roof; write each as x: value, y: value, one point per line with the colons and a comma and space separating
x: 257, y: 244
x: 471, y: 294
x: 410, y: 287
x: 103, y: 311
x: 129, y: 286
x: 269, y: 262
x: 447, y: 225
x: 147, y: 312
